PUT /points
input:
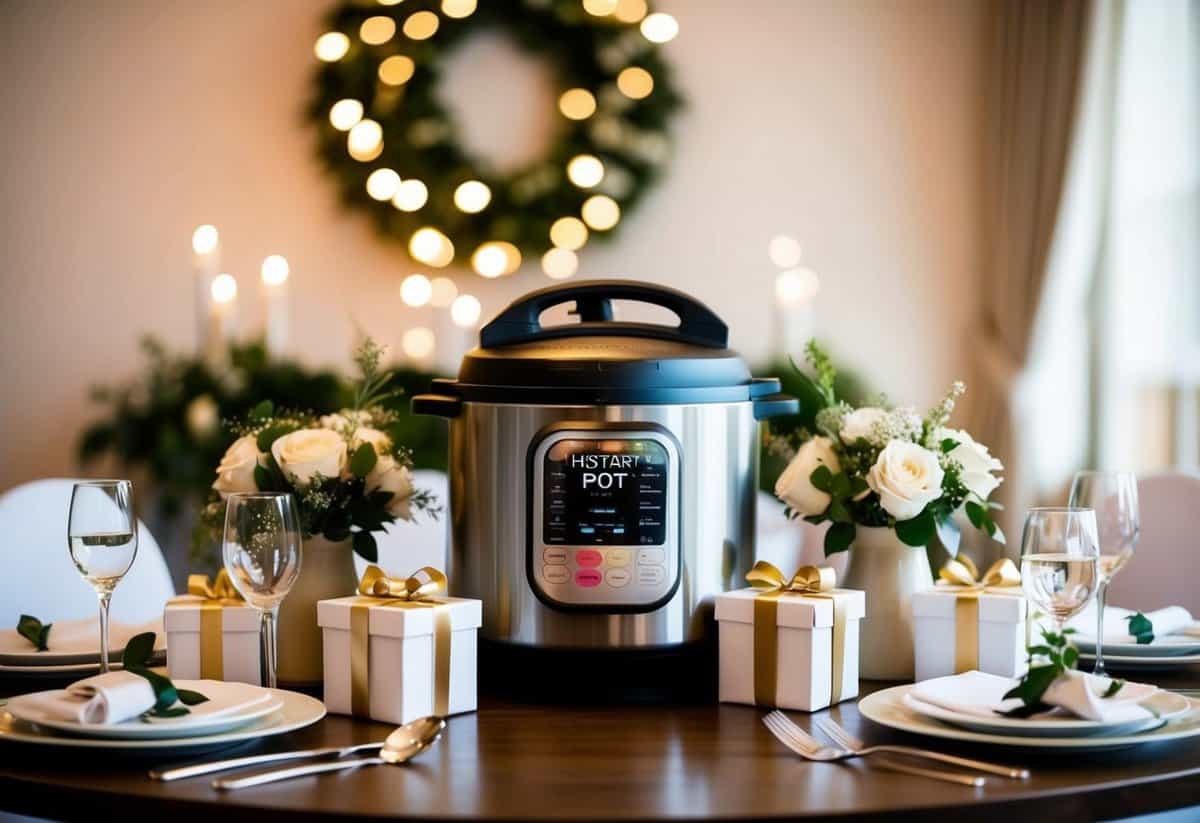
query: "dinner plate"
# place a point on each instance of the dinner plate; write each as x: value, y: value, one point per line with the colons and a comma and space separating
x: 298, y: 710
x: 1120, y: 661
x: 1165, y: 705
x: 1171, y: 646
x: 886, y: 707
x: 70, y: 670
x: 15, y: 650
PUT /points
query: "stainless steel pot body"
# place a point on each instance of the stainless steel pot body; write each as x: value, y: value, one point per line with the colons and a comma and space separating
x: 490, y: 519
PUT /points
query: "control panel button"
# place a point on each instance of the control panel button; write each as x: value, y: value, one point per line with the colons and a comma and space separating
x: 618, y: 557
x: 651, y: 557
x: 587, y: 578
x: 617, y: 578
x: 588, y: 558
x: 555, y: 556
x: 651, y: 575
x: 556, y: 574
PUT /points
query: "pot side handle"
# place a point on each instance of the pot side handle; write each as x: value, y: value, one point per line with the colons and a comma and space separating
x: 769, y: 400
x: 438, y: 405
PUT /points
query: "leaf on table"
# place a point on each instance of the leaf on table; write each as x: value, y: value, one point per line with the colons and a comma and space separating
x: 138, y: 650
x: 1141, y: 628
x: 34, y: 631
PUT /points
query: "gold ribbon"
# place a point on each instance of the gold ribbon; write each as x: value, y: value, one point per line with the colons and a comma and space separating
x: 960, y: 576
x: 216, y: 595
x: 415, y: 592
x: 808, y: 581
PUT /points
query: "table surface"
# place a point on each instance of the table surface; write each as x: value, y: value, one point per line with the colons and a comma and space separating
x: 537, y: 762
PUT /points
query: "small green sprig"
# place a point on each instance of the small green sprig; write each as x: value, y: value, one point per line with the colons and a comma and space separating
x: 135, y: 659
x: 1141, y: 628
x: 34, y: 631
x: 1054, y: 657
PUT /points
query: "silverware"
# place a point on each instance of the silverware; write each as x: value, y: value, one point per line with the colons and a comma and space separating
x: 808, y: 747
x: 857, y: 747
x: 197, y: 769
x: 401, y: 746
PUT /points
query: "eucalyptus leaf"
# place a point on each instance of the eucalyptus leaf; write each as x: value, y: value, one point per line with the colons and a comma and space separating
x: 839, y: 537
x: 949, y: 534
x: 1141, y: 628
x: 34, y: 631
x: 949, y: 444
x: 822, y: 478
x: 262, y: 411
x: 365, y: 547
x: 190, y: 698
x: 1113, y: 687
x: 138, y: 650
x: 917, y: 532
x: 363, y: 460
x: 976, y: 514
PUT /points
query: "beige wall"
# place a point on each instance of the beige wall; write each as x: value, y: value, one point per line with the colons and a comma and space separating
x: 855, y: 126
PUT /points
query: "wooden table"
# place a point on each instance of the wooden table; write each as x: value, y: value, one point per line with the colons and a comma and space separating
x: 512, y: 761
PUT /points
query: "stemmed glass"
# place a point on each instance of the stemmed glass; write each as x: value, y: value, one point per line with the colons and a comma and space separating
x: 261, y: 550
x: 102, y: 536
x: 1113, y: 496
x: 1059, y: 557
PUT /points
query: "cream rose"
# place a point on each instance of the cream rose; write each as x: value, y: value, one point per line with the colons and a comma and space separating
x: 236, y: 471
x: 390, y: 476
x: 858, y: 424
x: 365, y: 434
x: 794, y: 486
x: 976, y: 461
x: 304, y: 454
x: 906, y: 477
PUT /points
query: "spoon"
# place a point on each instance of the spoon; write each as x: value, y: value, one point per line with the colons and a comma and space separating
x: 401, y: 746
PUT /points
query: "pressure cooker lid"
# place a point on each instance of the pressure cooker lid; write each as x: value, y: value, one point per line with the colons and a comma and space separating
x: 601, y: 360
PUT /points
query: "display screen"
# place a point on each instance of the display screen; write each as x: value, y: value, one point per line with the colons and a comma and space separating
x: 605, y: 492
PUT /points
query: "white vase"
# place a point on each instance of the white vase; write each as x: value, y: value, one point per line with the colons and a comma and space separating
x: 326, y: 570
x: 890, y: 572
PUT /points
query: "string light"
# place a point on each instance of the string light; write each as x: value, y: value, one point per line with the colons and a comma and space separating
x: 796, y: 286
x: 382, y: 184
x: 375, y: 31
x: 577, y: 104
x: 559, y: 263
x: 331, y: 46
x: 205, y: 239
x: 784, y: 251
x: 431, y: 247
x: 599, y: 8
x: 585, y: 171
x: 601, y: 212
x: 224, y: 288
x: 630, y: 11
x: 344, y: 114
x: 442, y: 292
x: 635, y: 82
x: 275, y: 270
x: 365, y: 140
x: 472, y: 197
x: 458, y: 9
x: 416, y: 290
x: 660, y: 27
x: 421, y: 25
x: 465, y: 311
x: 568, y: 233
x: 411, y: 195
x: 396, y: 70
x: 418, y: 343
x: 390, y: 2
x: 496, y: 257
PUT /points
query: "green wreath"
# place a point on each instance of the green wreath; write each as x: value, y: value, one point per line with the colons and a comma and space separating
x: 391, y: 145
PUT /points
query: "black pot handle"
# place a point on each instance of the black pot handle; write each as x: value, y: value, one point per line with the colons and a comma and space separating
x: 520, y: 323
x: 438, y: 403
x: 769, y: 401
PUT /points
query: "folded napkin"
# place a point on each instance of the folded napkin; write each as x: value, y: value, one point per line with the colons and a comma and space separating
x: 79, y: 637
x: 106, y: 698
x: 1171, y: 620
x: 1076, y: 693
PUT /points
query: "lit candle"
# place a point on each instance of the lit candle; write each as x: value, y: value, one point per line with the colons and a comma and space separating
x: 222, y: 320
x: 795, y: 290
x: 275, y: 273
x: 206, y: 262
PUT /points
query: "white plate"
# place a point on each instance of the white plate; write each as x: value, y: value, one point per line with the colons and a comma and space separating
x: 17, y: 651
x: 1165, y: 704
x: 1171, y: 646
x: 70, y: 670
x: 886, y: 707
x: 298, y: 711
x: 186, y: 726
x: 1119, y: 661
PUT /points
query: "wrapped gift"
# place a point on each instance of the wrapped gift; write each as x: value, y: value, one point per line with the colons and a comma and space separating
x: 791, y: 644
x: 399, y: 649
x: 967, y: 622
x: 212, y: 634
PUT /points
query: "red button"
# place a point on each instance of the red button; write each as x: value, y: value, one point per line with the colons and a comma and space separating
x: 588, y: 557
x: 587, y: 578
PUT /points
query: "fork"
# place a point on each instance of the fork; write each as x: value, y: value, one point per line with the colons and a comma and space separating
x: 856, y: 747
x: 808, y: 747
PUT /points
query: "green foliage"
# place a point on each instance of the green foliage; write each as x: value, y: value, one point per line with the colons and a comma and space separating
x: 32, y: 630
x: 1141, y: 628
x: 919, y: 531
x: 363, y: 460
x: 135, y: 659
x: 1054, y: 657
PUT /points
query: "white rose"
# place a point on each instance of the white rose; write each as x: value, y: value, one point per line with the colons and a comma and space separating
x: 364, y: 434
x: 390, y: 476
x: 858, y: 423
x: 236, y: 471
x: 306, y: 453
x: 203, y: 416
x: 906, y: 477
x: 794, y: 486
x: 976, y: 461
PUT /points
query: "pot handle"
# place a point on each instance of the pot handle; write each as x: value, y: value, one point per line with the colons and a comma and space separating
x: 769, y: 401
x: 437, y: 404
x: 520, y: 322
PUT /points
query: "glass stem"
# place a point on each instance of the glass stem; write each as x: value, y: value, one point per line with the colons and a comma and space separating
x: 105, y: 597
x: 1101, y: 597
x: 267, y: 635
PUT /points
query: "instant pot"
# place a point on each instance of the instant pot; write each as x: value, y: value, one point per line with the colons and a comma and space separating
x: 602, y: 485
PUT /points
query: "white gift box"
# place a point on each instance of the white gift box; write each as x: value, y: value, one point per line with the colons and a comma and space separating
x: 1000, y: 632
x: 240, y: 645
x: 401, y: 648
x: 804, y: 649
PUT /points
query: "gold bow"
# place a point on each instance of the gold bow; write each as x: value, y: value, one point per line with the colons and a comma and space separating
x: 376, y: 588
x: 809, y: 581
x: 216, y: 595
x: 961, y: 576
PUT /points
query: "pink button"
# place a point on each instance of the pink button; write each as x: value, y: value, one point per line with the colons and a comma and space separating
x: 587, y: 578
x: 588, y: 557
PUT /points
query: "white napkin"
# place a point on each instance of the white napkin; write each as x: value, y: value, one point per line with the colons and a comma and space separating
x: 105, y: 698
x: 1168, y: 621
x: 80, y: 637
x: 1078, y: 693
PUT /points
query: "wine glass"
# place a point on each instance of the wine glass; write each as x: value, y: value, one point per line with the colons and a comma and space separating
x: 1059, y: 558
x: 261, y: 550
x: 102, y: 537
x: 1113, y: 496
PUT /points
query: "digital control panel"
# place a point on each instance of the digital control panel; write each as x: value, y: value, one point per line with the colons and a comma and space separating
x: 605, y: 524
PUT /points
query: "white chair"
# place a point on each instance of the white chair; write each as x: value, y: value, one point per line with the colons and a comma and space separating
x: 406, y: 547
x: 39, y: 577
x: 1162, y: 570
